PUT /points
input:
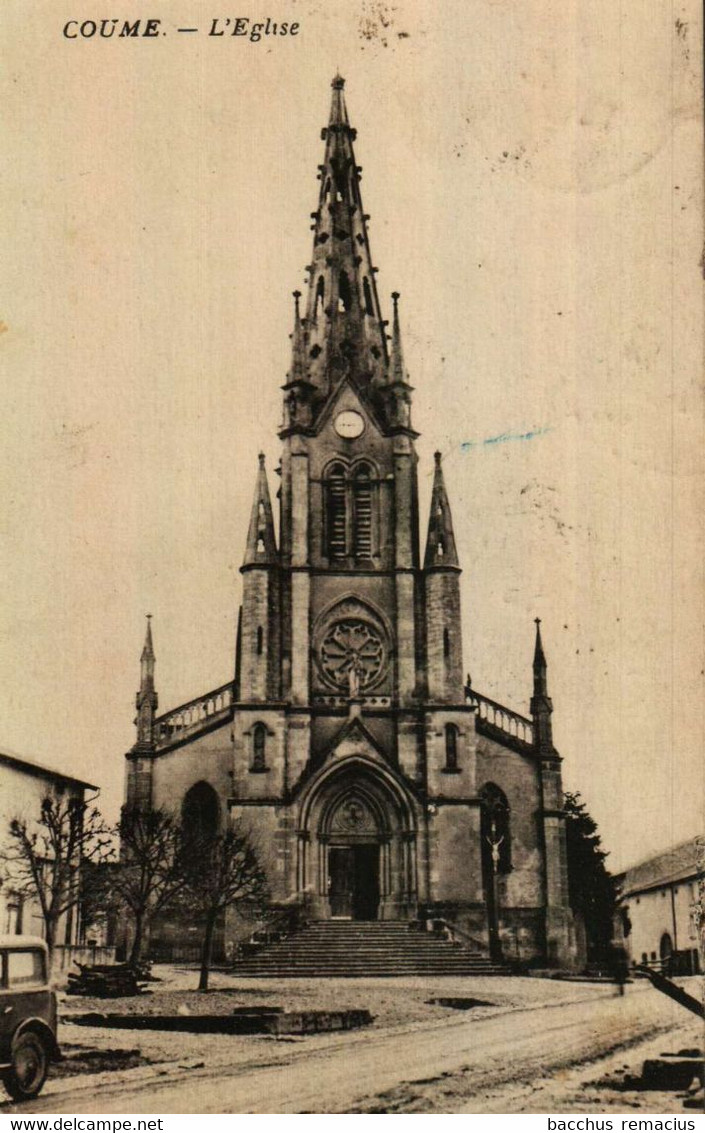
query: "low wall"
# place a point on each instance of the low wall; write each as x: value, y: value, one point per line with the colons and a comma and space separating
x: 65, y: 955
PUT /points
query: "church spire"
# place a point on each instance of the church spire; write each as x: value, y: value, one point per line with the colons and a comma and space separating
x: 541, y: 703
x: 344, y: 331
x: 261, y: 547
x: 440, y: 545
x: 146, y: 700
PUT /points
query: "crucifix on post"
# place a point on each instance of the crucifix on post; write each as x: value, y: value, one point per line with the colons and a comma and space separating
x: 494, y: 841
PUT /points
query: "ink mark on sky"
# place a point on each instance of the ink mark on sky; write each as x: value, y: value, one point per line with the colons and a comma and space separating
x: 502, y: 437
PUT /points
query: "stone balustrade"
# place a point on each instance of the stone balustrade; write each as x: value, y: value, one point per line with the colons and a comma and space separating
x: 192, y: 716
x: 499, y: 717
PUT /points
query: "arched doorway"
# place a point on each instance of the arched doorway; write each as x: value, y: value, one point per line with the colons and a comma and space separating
x: 357, y: 844
x: 354, y: 831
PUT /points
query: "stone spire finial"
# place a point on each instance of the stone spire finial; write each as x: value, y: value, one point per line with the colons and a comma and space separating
x: 146, y: 700
x: 541, y: 703
x: 261, y: 547
x: 540, y: 683
x: 440, y: 545
x: 147, y: 658
x: 397, y: 375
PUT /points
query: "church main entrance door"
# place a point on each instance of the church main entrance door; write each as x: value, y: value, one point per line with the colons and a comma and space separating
x: 353, y: 873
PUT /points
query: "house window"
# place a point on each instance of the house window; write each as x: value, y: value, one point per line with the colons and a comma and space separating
x: 259, y: 745
x: 451, y: 747
x: 446, y: 644
x: 260, y: 640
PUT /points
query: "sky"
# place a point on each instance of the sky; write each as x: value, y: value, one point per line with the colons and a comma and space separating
x: 533, y: 177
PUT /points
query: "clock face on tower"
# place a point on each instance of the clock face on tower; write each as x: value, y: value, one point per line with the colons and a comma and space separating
x: 349, y: 424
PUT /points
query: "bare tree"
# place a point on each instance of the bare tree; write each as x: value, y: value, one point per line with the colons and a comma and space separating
x: 224, y: 870
x: 150, y: 873
x: 44, y: 854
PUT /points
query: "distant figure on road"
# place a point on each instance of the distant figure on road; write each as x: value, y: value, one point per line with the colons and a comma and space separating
x: 619, y: 963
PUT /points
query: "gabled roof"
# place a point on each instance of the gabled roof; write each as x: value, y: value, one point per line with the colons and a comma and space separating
x: 350, y: 728
x: 330, y: 406
x: 681, y: 862
x: 40, y: 771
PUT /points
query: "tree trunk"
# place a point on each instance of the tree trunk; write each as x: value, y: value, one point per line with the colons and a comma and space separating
x: 207, y: 951
x: 136, y: 950
x: 50, y: 935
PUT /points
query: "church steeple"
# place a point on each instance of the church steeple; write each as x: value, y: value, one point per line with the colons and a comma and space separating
x: 146, y: 700
x: 343, y: 329
x: 261, y: 547
x: 440, y: 545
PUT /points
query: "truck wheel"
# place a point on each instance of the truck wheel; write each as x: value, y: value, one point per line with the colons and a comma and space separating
x: 30, y: 1064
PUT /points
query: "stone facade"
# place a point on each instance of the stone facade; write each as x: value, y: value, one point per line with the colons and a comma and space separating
x: 376, y: 783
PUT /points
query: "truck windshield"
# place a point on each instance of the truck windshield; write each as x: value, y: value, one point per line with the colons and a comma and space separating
x: 24, y: 968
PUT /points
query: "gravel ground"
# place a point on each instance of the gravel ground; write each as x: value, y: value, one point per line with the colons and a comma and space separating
x: 607, y: 1085
x: 391, y: 1001
x: 526, y: 1058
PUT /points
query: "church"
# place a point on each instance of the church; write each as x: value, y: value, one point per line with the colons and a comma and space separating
x: 382, y: 785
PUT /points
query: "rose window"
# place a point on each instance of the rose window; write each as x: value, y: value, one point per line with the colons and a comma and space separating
x: 352, y: 655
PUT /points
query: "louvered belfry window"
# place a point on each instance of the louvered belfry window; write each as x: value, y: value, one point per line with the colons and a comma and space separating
x: 350, y: 503
x: 362, y: 512
x: 337, y: 513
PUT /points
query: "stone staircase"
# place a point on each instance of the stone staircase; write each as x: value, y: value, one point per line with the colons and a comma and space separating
x: 365, y: 949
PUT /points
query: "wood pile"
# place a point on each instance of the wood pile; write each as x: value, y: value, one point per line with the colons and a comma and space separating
x: 108, y: 981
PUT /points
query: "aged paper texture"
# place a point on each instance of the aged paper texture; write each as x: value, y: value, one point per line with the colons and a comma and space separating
x: 532, y: 174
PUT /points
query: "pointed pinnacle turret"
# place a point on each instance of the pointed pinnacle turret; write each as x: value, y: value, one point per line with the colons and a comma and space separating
x: 541, y: 703
x: 344, y: 331
x: 440, y: 545
x: 298, y: 346
x: 147, y: 658
x: 397, y: 391
x: 397, y: 374
x: 261, y: 547
x: 146, y: 700
x: 540, y: 683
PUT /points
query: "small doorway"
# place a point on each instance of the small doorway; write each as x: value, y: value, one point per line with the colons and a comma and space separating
x: 353, y: 874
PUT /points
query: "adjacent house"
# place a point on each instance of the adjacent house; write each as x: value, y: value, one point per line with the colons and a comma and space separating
x: 24, y: 784
x: 661, y: 908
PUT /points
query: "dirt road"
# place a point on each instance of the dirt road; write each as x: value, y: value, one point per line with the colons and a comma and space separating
x: 354, y: 1070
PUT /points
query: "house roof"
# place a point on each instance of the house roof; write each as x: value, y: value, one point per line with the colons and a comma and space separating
x: 681, y: 862
x: 40, y: 771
